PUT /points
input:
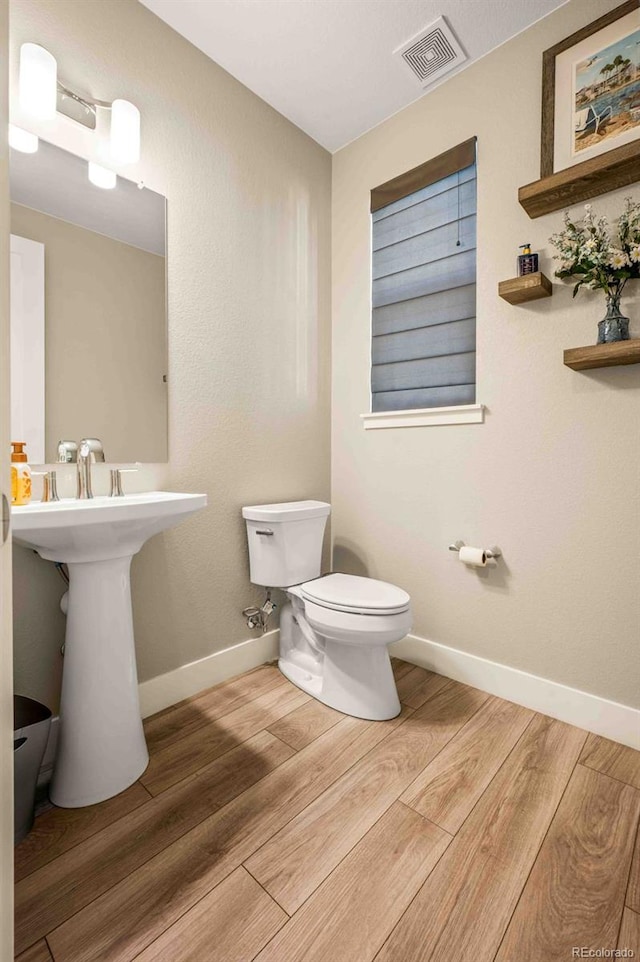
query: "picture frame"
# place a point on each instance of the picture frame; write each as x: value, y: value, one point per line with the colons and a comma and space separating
x: 591, y: 96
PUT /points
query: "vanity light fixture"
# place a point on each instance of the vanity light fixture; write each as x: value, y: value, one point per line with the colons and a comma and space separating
x: 42, y: 94
x: 101, y: 176
x: 22, y: 140
x: 38, y: 81
x: 125, y: 132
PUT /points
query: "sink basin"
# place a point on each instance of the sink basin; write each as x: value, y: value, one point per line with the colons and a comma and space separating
x: 101, y: 747
x: 101, y: 528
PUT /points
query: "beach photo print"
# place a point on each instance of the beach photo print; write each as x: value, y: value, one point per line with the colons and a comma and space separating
x: 607, y: 94
x: 593, y: 82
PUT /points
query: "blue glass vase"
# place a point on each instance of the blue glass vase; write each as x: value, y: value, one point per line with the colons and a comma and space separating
x: 614, y: 326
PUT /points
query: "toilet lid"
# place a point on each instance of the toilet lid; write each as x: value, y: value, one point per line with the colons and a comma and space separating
x: 358, y: 595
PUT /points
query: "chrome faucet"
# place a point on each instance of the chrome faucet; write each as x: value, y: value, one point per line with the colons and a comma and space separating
x: 90, y: 452
x: 67, y: 452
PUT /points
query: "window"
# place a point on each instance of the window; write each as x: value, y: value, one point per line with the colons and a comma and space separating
x: 424, y: 285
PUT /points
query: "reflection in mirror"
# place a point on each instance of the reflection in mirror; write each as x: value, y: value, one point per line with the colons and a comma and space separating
x: 88, y: 310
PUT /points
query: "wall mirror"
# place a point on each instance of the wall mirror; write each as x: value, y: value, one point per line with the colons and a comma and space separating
x: 88, y: 310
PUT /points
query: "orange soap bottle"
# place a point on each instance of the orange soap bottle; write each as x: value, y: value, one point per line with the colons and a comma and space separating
x: 20, y: 474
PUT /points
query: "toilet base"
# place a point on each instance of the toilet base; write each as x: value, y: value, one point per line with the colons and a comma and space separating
x: 354, y: 680
x: 301, y: 678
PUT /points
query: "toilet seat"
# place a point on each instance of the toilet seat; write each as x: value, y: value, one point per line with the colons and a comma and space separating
x: 356, y: 595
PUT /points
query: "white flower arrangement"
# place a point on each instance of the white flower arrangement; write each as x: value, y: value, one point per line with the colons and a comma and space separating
x: 587, y: 251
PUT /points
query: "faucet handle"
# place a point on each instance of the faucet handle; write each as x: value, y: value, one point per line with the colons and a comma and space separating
x: 116, y: 481
x: 49, y: 485
x: 91, y: 450
x: 67, y: 452
x: 116, y: 484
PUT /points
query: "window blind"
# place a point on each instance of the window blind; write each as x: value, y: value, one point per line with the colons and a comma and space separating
x: 424, y: 291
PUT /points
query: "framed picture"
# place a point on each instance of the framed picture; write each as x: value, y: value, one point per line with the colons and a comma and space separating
x: 591, y: 91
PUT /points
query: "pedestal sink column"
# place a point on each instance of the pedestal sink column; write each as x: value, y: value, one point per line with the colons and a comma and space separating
x: 101, y: 749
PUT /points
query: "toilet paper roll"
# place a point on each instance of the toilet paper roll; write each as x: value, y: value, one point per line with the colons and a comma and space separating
x: 474, y: 557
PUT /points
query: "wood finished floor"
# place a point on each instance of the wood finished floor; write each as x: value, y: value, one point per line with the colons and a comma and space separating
x: 270, y: 827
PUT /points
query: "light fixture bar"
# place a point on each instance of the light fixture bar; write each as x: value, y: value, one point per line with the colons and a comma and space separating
x: 41, y: 94
x: 125, y: 121
x: 76, y: 107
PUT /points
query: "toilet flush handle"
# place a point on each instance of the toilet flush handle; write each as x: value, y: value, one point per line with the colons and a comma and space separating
x: 265, y: 531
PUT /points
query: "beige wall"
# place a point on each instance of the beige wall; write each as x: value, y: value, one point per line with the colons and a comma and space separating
x: 106, y: 341
x: 248, y: 282
x: 6, y: 687
x: 552, y: 474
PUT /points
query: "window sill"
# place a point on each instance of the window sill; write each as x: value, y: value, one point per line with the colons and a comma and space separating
x: 424, y: 417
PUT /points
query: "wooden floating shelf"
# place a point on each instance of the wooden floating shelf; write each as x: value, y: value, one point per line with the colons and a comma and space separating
x: 603, y: 355
x: 529, y: 287
x: 616, y: 168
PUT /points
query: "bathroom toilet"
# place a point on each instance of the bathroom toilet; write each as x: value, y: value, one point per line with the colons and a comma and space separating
x: 334, y: 629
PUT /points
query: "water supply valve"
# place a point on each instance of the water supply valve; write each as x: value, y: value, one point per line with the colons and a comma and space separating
x: 259, y: 617
x: 253, y: 616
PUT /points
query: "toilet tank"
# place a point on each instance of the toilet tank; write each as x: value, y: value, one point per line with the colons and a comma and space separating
x: 285, y: 541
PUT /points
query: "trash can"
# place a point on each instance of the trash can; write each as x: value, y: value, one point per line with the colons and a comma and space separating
x: 31, y: 724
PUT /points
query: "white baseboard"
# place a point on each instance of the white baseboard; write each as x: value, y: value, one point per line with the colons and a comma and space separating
x: 165, y: 690
x: 621, y: 723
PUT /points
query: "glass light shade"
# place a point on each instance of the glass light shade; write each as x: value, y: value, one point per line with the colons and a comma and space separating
x: 38, y: 81
x: 101, y: 177
x: 22, y: 140
x: 125, y: 132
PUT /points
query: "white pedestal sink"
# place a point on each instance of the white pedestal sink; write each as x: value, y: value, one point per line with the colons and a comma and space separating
x: 101, y: 748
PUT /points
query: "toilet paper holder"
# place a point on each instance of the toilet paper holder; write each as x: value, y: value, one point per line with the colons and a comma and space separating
x: 493, y: 552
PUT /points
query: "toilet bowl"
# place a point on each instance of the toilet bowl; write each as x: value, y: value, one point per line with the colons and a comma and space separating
x: 335, y: 629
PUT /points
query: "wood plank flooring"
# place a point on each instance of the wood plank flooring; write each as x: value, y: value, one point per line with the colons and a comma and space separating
x: 296, y: 860
x: 230, y: 924
x: 37, y: 953
x: 633, y: 893
x: 576, y: 891
x: 611, y: 759
x: 273, y: 828
x: 630, y: 933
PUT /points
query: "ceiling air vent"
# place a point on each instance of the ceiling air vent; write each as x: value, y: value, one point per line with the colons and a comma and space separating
x: 432, y: 53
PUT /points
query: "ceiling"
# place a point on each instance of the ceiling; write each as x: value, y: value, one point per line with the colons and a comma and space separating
x: 328, y: 65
